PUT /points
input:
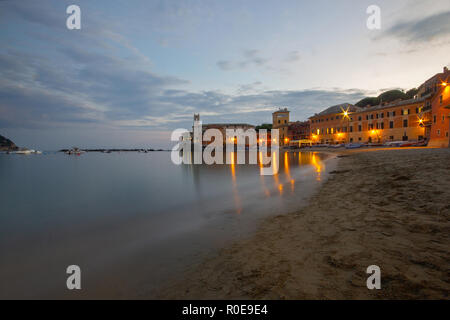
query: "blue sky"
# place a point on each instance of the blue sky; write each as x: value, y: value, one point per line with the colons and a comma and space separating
x: 139, y: 69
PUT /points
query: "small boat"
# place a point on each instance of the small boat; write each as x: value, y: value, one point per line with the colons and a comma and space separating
x: 394, y: 143
x: 337, y: 145
x: 421, y: 143
x: 75, y: 151
x: 353, y: 145
x: 24, y: 151
x: 407, y: 144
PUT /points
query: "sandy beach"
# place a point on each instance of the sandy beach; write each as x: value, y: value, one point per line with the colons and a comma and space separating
x: 389, y: 208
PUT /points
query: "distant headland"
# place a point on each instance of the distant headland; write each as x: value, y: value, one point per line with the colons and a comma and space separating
x: 7, y: 145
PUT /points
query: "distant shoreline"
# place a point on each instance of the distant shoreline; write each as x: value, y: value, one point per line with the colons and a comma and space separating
x: 116, y: 150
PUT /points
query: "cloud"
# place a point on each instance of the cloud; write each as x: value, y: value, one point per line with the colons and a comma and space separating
x: 250, y: 87
x: 250, y: 58
x: 293, y: 56
x: 225, y: 65
x: 99, y: 79
x: 421, y: 30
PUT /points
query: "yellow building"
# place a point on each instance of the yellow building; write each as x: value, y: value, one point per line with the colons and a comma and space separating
x: 280, y: 121
x: 397, y: 121
x: 400, y: 121
x: 331, y: 125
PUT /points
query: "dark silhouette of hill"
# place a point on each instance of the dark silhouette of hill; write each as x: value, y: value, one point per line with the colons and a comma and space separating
x: 7, y: 145
x: 387, y: 97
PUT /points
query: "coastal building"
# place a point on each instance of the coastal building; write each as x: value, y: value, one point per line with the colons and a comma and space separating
x: 425, y: 117
x: 222, y: 127
x: 439, y: 124
x: 280, y: 121
x: 398, y: 121
x: 299, y: 133
x: 332, y: 124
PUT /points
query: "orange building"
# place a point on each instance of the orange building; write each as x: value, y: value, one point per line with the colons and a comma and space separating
x: 440, y: 111
x: 332, y: 125
x: 426, y: 117
x: 298, y: 130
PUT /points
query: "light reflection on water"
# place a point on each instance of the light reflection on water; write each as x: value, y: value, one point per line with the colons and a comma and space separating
x: 130, y: 217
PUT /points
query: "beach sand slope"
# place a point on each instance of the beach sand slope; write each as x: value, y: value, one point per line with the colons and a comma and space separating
x: 389, y: 208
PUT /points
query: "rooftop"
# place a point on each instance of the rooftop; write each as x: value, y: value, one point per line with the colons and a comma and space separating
x: 281, y: 110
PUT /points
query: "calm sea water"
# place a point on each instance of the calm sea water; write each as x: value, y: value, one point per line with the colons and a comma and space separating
x: 131, y: 221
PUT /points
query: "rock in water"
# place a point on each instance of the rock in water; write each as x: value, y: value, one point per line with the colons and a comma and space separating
x: 7, y: 145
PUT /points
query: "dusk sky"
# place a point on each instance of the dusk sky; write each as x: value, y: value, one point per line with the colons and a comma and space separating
x: 139, y: 69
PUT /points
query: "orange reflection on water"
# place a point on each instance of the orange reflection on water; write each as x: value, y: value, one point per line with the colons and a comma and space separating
x: 237, y: 200
x: 261, y: 176
x: 287, y: 171
x: 275, y: 168
x: 317, y: 164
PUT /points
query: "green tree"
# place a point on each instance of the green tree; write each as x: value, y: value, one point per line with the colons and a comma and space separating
x: 266, y: 126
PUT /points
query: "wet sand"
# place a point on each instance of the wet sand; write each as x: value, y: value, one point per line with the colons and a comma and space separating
x: 389, y: 208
